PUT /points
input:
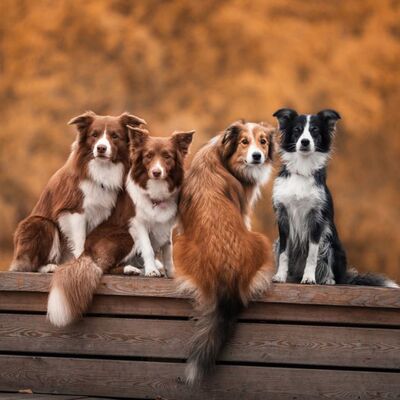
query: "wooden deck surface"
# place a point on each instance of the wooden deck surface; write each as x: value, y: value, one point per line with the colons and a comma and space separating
x: 297, y: 342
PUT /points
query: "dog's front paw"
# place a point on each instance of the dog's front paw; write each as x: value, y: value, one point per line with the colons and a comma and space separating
x: 48, y: 268
x: 131, y: 270
x: 279, y: 278
x: 330, y: 281
x: 160, y: 267
x: 308, y: 280
x: 152, y: 272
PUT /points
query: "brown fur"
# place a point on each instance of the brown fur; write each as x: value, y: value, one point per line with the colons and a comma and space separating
x: 34, y: 235
x: 215, y: 254
x: 108, y: 244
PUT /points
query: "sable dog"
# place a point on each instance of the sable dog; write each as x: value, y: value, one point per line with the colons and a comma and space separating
x: 216, y: 256
x: 79, y: 196
x: 140, y: 224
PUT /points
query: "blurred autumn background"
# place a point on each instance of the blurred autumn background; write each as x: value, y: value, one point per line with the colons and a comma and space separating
x: 203, y: 64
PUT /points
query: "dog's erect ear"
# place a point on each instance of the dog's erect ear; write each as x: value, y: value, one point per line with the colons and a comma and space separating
x: 183, y: 140
x: 137, y: 136
x: 131, y: 120
x: 330, y: 117
x: 284, y: 116
x: 83, y: 121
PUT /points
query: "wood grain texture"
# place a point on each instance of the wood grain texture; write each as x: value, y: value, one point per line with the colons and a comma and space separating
x: 252, y: 342
x: 170, y: 307
x: 355, y: 296
x: 140, y: 379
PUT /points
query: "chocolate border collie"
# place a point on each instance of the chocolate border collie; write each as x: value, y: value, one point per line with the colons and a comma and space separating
x: 79, y: 196
x: 309, y: 249
x: 218, y: 259
x: 141, y: 224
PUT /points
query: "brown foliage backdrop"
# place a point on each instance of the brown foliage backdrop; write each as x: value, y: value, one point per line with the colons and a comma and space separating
x: 203, y: 64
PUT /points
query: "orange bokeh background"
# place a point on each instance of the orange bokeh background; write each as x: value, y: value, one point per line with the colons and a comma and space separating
x: 202, y: 65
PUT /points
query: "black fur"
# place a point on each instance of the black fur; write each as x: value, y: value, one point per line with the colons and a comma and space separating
x: 304, y: 205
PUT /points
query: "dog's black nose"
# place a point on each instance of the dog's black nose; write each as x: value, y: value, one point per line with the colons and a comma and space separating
x: 256, y: 156
x: 156, y: 173
x: 305, y: 142
x: 101, y: 149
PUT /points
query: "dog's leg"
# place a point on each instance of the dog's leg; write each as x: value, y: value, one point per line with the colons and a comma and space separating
x: 144, y: 247
x: 283, y: 259
x: 315, y: 229
x: 74, y: 228
x: 167, y: 260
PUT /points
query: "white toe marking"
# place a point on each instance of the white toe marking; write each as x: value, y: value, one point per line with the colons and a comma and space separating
x: 131, y: 270
x: 48, y: 268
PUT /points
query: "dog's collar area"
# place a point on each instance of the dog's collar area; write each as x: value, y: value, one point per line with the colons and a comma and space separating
x: 157, y: 203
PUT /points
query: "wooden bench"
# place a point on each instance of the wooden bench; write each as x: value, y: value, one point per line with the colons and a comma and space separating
x: 299, y: 342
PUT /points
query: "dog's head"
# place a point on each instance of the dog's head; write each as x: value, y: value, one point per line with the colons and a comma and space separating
x: 247, y: 150
x: 104, y: 137
x: 158, y: 158
x: 306, y: 134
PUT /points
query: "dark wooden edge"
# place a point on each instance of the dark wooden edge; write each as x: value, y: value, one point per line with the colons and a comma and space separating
x: 162, y: 287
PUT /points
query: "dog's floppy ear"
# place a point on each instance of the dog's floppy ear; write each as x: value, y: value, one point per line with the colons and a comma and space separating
x: 232, y: 131
x: 330, y: 117
x: 82, y: 122
x: 270, y: 132
x: 183, y: 140
x: 137, y: 136
x: 284, y: 116
x: 131, y: 120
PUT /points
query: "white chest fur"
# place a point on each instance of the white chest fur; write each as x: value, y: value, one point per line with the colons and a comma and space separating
x: 157, y: 218
x: 98, y: 203
x: 299, y: 194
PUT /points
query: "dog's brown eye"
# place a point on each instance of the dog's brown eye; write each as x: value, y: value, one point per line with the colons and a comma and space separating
x: 149, y: 156
x: 263, y: 141
x: 95, y: 134
x: 114, y: 135
x: 245, y: 141
x: 166, y: 156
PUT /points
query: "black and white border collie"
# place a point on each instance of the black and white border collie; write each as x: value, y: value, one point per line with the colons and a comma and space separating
x: 309, y: 249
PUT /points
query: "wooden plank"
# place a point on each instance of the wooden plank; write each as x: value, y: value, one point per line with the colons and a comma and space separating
x: 253, y: 342
x: 161, y: 287
x: 151, y: 379
x: 170, y: 307
x: 29, y: 396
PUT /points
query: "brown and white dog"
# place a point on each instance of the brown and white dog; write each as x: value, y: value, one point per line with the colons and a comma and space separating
x: 141, y: 224
x: 216, y: 255
x: 79, y: 196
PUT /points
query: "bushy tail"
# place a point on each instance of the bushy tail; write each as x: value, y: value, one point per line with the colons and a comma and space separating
x: 72, y: 289
x: 214, y: 327
x: 353, y: 277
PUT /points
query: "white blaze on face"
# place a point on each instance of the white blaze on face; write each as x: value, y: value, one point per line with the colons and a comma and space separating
x: 103, y: 143
x: 306, y: 135
x: 254, y: 154
x: 157, y: 171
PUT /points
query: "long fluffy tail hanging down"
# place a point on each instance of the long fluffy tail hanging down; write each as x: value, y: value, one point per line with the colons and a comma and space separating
x: 72, y: 289
x: 353, y: 277
x: 214, y: 327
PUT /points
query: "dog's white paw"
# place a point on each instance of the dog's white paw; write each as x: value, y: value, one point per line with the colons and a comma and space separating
x: 48, y: 268
x: 308, y: 280
x: 152, y: 272
x: 160, y: 267
x: 279, y: 278
x: 330, y: 281
x: 131, y: 270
